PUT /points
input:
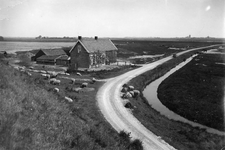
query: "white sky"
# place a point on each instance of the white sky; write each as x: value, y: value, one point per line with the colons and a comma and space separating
x: 112, y: 18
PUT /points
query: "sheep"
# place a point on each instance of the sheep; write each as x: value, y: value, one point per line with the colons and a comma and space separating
x: 126, y: 95
x: 125, y: 85
x: 56, y: 90
x: 43, y: 71
x: 48, y: 76
x: 94, y: 80
x: 52, y: 80
x: 57, y: 82
x: 68, y: 99
x: 136, y: 93
x: 67, y: 74
x: 132, y: 93
x: 124, y: 89
x: 72, y: 81
x: 79, y: 74
x: 28, y: 73
x: 85, y: 84
x: 43, y: 75
x: 130, y: 88
x: 53, y: 75
x: 77, y: 90
x: 31, y: 67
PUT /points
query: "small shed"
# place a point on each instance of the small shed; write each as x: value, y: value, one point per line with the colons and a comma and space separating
x: 51, y: 60
x: 48, y: 52
x: 63, y: 60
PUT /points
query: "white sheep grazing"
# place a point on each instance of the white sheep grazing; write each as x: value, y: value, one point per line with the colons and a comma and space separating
x: 79, y: 74
x: 73, y: 81
x: 29, y: 74
x: 94, y: 80
x: 48, y: 76
x: 43, y: 75
x: 128, y: 95
x: 42, y: 71
x: 67, y: 74
x: 77, y: 90
x: 52, y: 80
x: 131, y: 88
x: 54, y: 75
x: 56, y: 90
x: 68, y: 99
x: 57, y: 82
x: 132, y: 93
x: 124, y: 89
x: 85, y: 84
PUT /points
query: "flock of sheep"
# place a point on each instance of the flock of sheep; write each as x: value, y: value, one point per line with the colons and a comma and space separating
x: 51, y: 77
x: 129, y: 92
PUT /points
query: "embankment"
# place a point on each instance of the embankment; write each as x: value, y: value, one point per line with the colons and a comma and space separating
x: 177, y: 134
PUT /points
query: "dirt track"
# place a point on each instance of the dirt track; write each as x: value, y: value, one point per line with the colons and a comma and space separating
x: 119, y: 117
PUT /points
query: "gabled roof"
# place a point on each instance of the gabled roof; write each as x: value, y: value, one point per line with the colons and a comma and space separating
x: 44, y: 57
x: 54, y: 52
x: 91, y: 45
x: 63, y: 57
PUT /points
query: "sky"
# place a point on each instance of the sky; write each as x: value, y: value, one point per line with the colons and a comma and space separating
x: 112, y: 18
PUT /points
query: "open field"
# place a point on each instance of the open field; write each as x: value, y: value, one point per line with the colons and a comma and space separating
x: 138, y: 47
x: 178, y: 134
x: 196, y: 91
x: 35, y: 117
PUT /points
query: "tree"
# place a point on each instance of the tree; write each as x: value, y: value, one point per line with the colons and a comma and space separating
x: 1, y: 38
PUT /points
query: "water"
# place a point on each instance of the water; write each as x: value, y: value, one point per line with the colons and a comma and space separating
x: 12, y: 47
x: 150, y: 93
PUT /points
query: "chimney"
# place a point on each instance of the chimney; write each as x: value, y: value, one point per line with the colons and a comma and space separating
x: 96, y: 37
x: 79, y: 37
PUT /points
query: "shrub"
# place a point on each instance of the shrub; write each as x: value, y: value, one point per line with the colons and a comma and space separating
x: 136, y: 145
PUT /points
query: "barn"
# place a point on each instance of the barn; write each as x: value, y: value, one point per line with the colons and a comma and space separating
x: 48, y: 56
x: 89, y: 52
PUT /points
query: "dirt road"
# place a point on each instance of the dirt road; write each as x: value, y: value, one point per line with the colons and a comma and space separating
x: 119, y: 117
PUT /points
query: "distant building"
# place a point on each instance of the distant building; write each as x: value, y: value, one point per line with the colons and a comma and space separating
x: 89, y: 52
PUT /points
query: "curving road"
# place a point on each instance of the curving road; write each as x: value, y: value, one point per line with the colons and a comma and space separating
x: 119, y: 117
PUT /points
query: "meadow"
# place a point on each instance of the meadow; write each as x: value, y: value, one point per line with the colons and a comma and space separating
x: 196, y: 91
x: 34, y: 117
x: 178, y: 134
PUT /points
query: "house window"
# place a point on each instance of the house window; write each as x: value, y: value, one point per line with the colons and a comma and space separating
x: 78, y: 49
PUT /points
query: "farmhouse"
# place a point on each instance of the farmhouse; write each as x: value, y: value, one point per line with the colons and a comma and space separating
x: 50, y: 56
x: 89, y: 52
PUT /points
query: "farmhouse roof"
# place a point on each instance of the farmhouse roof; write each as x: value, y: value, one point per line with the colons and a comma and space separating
x: 54, y: 52
x: 45, y: 57
x: 63, y: 57
x: 95, y: 45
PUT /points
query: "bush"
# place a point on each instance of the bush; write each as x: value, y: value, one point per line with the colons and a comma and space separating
x: 136, y: 145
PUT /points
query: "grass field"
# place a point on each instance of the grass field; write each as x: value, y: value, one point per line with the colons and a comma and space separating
x: 34, y: 117
x: 139, y: 47
x: 178, y: 134
x: 196, y: 91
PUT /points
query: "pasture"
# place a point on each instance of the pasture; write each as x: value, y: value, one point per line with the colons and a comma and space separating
x: 196, y: 91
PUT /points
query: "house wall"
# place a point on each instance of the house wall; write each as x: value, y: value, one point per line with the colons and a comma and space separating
x: 111, y: 55
x: 79, y: 60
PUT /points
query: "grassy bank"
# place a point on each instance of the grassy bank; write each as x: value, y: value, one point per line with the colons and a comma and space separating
x: 180, y: 135
x: 33, y: 117
x: 196, y: 91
